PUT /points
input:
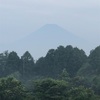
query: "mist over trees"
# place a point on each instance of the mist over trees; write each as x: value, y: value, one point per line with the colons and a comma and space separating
x: 65, y: 73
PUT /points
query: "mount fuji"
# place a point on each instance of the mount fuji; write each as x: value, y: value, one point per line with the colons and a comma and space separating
x: 47, y: 37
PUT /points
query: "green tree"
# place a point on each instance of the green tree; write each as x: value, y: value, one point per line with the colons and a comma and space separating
x: 13, y: 63
x: 80, y: 93
x: 3, y: 63
x: 65, y: 76
x: 50, y: 89
x: 11, y: 89
x: 80, y: 81
x: 27, y: 64
x: 76, y: 59
x: 63, y: 57
x: 94, y: 58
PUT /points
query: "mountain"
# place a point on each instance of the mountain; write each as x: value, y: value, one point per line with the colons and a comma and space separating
x: 47, y: 37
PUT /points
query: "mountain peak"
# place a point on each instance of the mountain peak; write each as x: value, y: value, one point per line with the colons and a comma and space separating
x: 52, y: 28
x: 46, y: 37
x: 54, y: 25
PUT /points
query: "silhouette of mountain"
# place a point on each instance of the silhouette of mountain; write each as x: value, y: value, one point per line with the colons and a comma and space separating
x: 51, y: 35
x: 47, y: 37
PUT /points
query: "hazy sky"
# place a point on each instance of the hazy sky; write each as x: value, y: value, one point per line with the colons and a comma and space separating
x: 19, y: 18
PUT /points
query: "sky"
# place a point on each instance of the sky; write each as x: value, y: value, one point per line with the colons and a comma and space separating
x: 19, y: 18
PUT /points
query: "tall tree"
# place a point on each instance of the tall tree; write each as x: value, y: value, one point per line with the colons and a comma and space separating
x: 94, y: 58
x: 27, y: 64
x: 13, y: 63
x: 56, y: 60
x: 3, y: 63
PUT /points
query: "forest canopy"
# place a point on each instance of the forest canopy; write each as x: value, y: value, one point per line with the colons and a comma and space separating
x: 65, y: 73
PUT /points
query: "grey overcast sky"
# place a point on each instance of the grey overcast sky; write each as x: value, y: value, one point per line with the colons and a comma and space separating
x: 18, y: 18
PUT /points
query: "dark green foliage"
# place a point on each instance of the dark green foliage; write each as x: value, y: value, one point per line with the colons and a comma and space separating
x: 91, y: 69
x: 13, y: 63
x: 11, y: 89
x: 56, y: 60
x: 3, y: 63
x: 80, y: 81
x: 94, y: 58
x: 64, y: 75
x: 27, y: 64
x: 80, y: 93
x: 10, y: 63
x: 45, y: 89
x: 76, y: 60
x: 50, y: 89
x: 69, y: 65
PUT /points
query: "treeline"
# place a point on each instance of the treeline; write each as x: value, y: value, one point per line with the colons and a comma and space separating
x: 10, y: 63
x: 51, y: 65
x: 64, y: 63
x: 45, y: 89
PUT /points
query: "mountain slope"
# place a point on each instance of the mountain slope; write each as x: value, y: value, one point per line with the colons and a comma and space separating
x: 47, y: 37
